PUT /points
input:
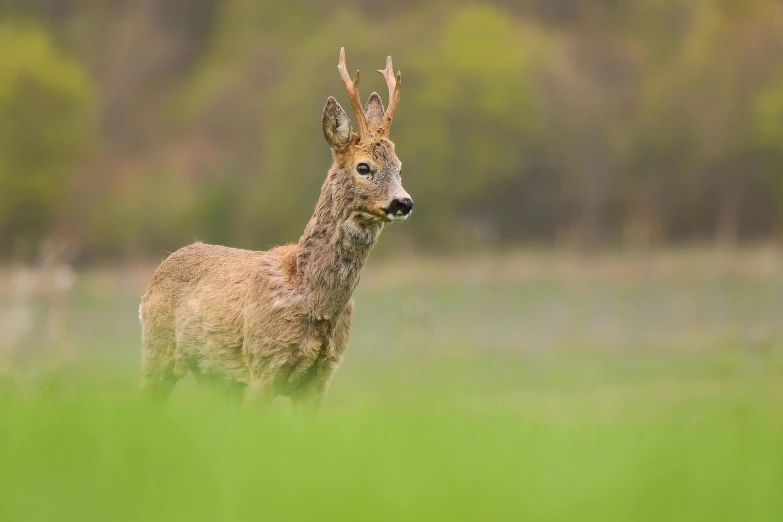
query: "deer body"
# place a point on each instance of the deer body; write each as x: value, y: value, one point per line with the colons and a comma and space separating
x: 278, y: 321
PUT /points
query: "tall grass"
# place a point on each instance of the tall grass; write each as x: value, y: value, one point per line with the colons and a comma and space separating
x: 93, y: 450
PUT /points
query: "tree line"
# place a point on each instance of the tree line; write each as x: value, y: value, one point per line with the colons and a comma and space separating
x: 130, y: 128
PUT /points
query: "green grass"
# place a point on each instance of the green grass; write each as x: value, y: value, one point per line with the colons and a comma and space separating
x: 510, y: 391
x: 560, y: 445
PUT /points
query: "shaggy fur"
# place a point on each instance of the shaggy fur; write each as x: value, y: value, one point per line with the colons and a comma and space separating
x: 278, y: 321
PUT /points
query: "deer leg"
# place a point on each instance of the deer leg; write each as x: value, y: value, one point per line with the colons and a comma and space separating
x: 157, y: 382
x: 231, y: 389
x: 158, y: 369
x: 258, y: 394
x: 260, y: 391
x: 261, y: 387
x: 157, y: 387
x: 308, y: 400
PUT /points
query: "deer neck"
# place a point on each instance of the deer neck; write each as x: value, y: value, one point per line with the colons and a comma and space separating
x: 333, y: 250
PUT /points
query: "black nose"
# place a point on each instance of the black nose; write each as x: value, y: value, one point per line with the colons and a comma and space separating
x: 401, y: 206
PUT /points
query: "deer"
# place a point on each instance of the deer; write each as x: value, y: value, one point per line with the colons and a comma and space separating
x: 266, y: 323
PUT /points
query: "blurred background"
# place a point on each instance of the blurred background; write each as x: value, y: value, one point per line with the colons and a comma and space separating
x: 587, y: 173
x: 128, y: 128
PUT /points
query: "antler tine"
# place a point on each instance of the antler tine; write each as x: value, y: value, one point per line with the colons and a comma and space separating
x: 352, y: 88
x: 394, y: 85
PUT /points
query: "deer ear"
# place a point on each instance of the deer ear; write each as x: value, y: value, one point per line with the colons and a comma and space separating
x: 374, y: 112
x: 336, y: 125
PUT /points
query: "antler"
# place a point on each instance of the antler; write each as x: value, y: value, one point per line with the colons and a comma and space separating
x: 352, y: 88
x: 394, y: 85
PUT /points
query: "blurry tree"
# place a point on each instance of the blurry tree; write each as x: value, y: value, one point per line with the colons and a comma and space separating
x: 45, y: 126
x: 768, y: 123
x: 730, y: 56
x: 473, y: 93
x: 589, y: 122
x: 471, y: 128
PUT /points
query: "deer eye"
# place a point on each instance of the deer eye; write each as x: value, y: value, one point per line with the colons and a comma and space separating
x: 363, y: 169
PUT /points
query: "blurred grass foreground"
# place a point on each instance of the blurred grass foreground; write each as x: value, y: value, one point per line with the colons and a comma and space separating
x: 94, y: 455
x: 524, y: 387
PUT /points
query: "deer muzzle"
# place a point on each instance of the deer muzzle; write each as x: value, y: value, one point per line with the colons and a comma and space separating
x: 399, y: 209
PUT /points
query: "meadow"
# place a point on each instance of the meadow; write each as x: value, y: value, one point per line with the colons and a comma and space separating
x: 518, y: 386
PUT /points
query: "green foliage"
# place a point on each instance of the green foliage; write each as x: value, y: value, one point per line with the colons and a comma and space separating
x: 476, y: 108
x: 768, y: 125
x: 553, y: 121
x: 45, y: 111
x: 769, y: 115
x: 99, y: 454
x: 470, y: 87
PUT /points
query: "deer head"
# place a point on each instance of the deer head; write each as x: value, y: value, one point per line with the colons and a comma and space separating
x: 365, y: 161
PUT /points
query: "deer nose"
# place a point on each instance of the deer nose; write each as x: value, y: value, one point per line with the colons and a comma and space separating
x: 401, y: 206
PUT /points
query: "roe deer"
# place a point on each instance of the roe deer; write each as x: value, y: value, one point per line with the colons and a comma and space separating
x: 277, y: 321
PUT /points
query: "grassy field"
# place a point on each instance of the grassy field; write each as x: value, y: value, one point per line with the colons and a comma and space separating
x: 517, y: 387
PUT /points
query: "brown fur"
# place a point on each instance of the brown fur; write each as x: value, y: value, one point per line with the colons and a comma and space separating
x: 277, y: 321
